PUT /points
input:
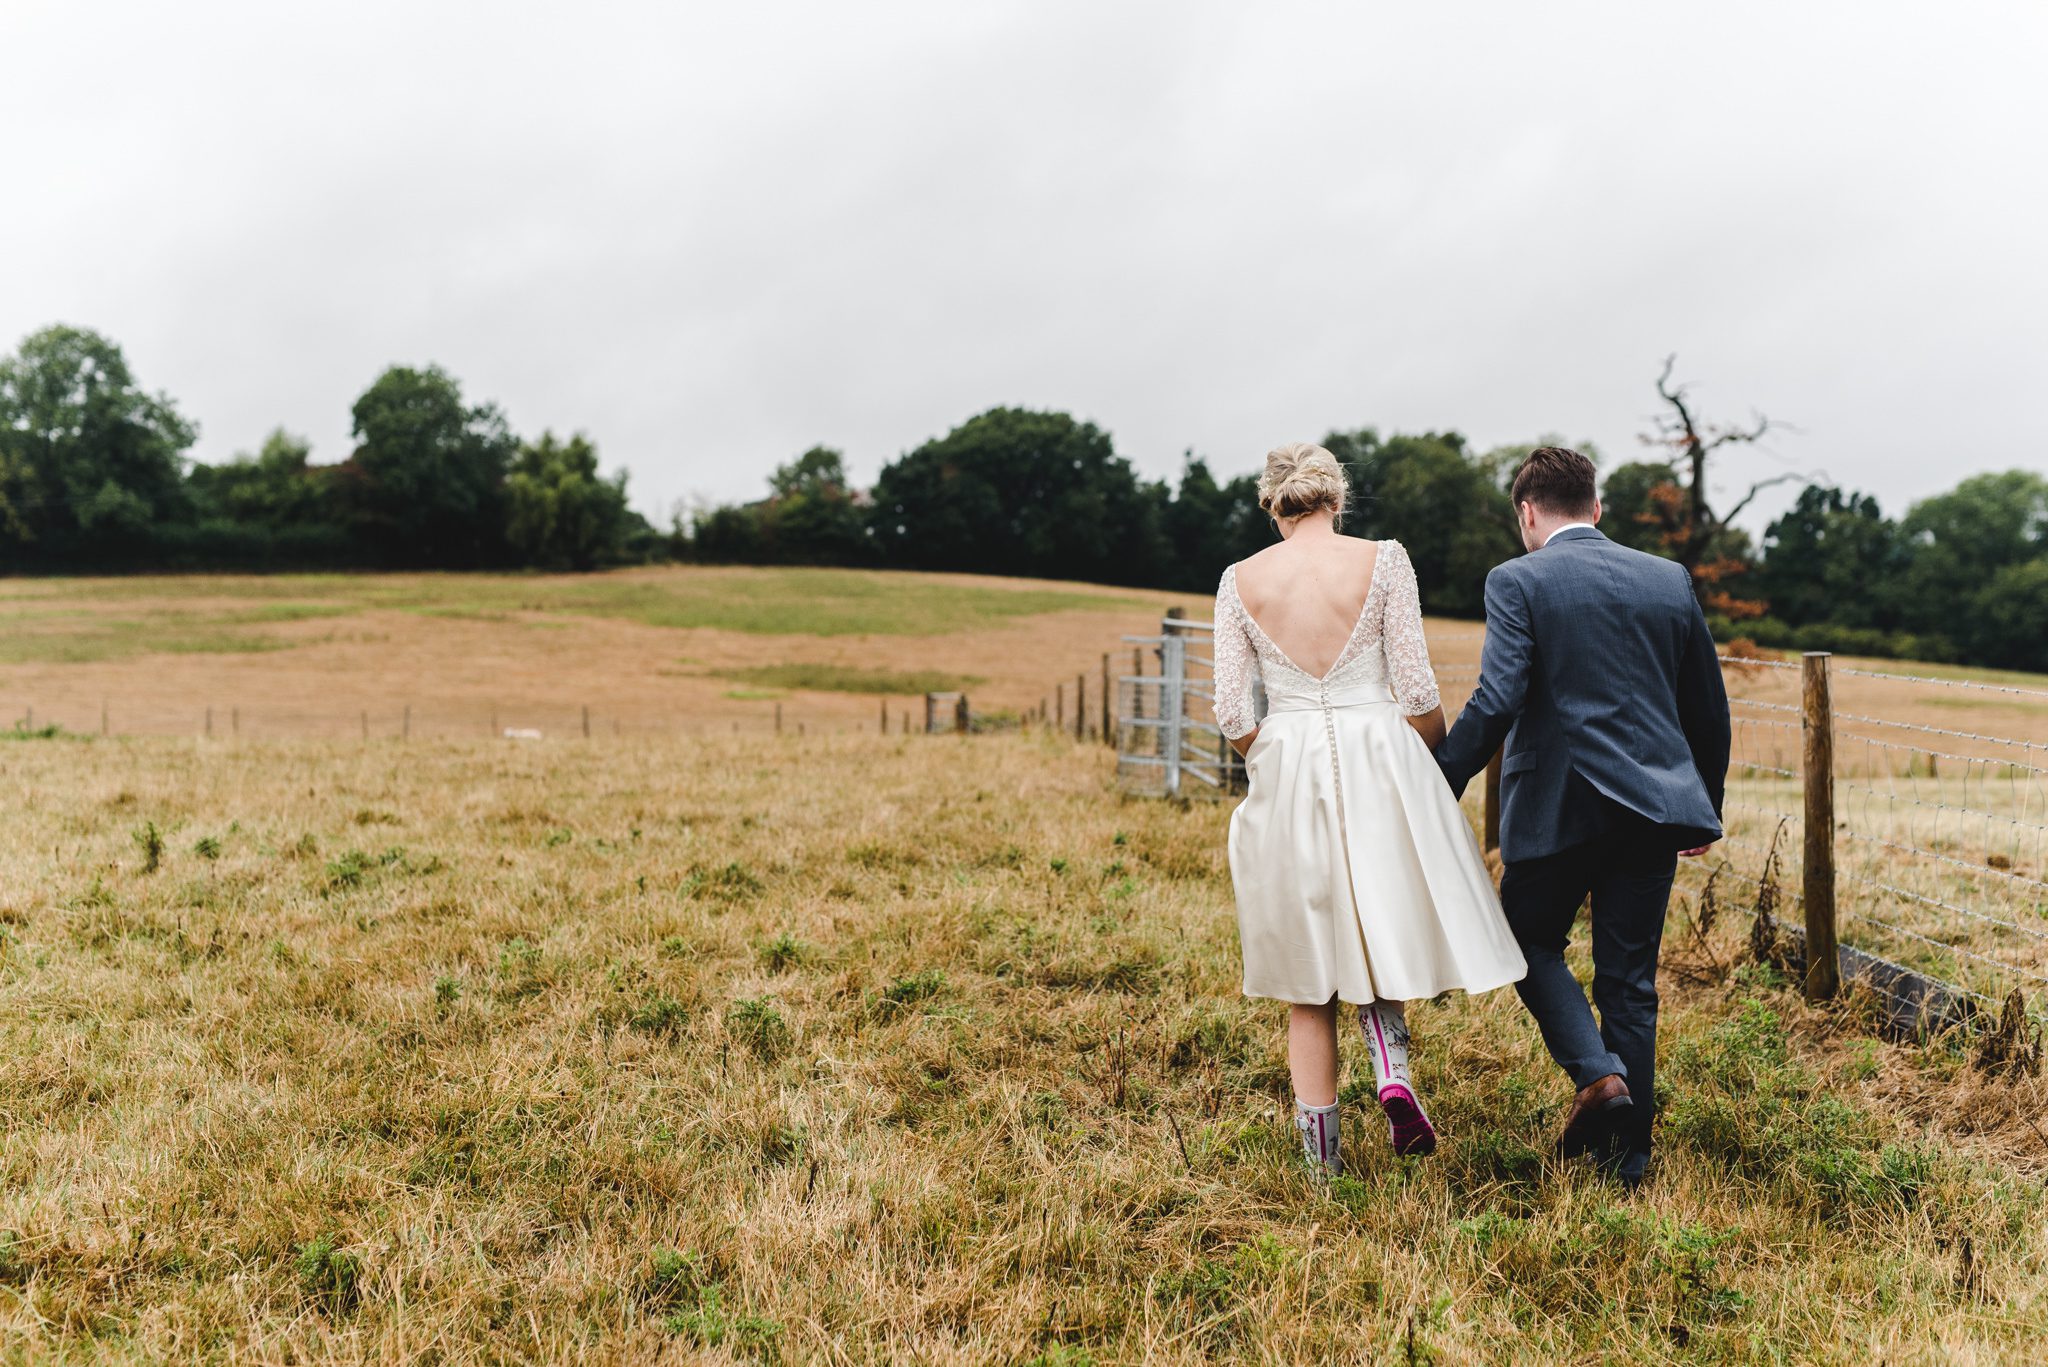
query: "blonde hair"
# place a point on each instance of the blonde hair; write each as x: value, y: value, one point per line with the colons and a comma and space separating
x: 1301, y: 479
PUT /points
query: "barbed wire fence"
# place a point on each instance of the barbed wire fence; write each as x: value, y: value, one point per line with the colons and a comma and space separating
x: 1912, y: 853
x: 444, y: 719
x: 1877, y: 851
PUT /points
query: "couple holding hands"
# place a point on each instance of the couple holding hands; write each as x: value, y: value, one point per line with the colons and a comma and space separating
x: 1358, y: 878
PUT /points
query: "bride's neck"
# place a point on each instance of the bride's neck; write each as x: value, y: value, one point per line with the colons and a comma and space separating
x: 1314, y: 527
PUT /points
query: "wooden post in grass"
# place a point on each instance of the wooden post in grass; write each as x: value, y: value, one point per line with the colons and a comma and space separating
x: 1059, y: 706
x: 209, y: 721
x: 963, y: 719
x: 103, y: 716
x: 586, y: 721
x: 1817, y: 732
x: 1108, y: 728
x: 885, y: 716
x: 1493, y: 801
x: 1080, y: 712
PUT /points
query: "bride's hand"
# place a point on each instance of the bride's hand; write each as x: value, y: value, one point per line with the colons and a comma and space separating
x: 1430, y: 726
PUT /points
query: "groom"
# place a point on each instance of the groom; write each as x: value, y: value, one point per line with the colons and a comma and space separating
x: 1600, y: 674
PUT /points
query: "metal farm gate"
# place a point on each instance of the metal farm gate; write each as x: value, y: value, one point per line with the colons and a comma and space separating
x: 1167, y: 740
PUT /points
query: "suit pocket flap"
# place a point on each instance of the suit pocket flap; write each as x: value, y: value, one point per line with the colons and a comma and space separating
x: 1520, y: 760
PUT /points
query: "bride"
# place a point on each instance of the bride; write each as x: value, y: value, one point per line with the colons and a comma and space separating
x: 1358, y: 878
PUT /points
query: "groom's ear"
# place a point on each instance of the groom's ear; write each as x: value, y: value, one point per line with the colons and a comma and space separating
x: 1596, y: 510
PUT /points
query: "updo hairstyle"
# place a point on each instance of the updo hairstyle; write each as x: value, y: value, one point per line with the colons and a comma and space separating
x: 1301, y: 479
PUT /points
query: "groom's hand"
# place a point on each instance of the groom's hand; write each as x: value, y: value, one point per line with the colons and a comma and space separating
x: 1694, y: 854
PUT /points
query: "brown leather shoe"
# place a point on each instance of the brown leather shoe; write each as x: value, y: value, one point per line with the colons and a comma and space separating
x: 1599, y: 1113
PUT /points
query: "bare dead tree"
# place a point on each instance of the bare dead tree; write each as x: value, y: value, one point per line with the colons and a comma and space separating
x: 1692, y: 528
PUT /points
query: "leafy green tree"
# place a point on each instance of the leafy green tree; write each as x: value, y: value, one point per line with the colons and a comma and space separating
x: 1634, y: 503
x: 1982, y: 525
x: 273, y: 509
x: 1444, y: 505
x: 426, y: 485
x: 277, y: 486
x: 2008, y: 621
x: 1830, y: 558
x: 1960, y: 544
x: 1014, y: 491
x: 731, y: 534
x: 90, y: 462
x: 559, y: 512
x: 812, y: 516
x: 1209, y: 525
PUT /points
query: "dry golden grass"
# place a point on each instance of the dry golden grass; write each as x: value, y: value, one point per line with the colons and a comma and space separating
x: 747, y: 1049
x: 644, y: 650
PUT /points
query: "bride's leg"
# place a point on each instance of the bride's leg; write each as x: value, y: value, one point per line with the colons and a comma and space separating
x: 1312, y: 1059
x: 1386, y: 1037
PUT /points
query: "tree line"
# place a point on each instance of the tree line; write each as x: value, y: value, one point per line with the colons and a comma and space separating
x: 94, y: 476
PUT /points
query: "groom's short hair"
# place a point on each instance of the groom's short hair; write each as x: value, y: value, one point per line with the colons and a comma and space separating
x: 1559, y: 481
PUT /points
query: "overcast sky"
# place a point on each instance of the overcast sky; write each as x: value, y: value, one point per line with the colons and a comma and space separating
x: 711, y: 235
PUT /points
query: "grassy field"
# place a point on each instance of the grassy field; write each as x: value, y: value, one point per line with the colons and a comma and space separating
x: 657, y: 650
x: 694, y: 1042
x: 865, y: 1049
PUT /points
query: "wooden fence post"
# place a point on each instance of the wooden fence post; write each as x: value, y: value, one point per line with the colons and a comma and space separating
x: 209, y: 721
x: 885, y: 716
x: 1817, y: 731
x: 1108, y: 725
x: 103, y: 716
x: 963, y: 718
x: 1493, y: 801
x: 586, y: 721
x: 1080, y: 711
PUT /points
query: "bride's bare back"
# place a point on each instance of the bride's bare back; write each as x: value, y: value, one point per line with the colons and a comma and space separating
x: 1307, y: 592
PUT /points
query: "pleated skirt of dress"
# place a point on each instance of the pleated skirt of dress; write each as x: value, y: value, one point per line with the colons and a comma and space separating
x: 1357, y: 874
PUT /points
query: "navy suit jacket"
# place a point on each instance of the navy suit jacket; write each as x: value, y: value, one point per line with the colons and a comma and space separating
x: 1599, y: 673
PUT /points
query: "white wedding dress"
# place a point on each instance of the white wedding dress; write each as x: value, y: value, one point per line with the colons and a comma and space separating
x: 1357, y: 874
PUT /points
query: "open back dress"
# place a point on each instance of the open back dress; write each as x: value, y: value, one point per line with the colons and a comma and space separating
x: 1357, y: 874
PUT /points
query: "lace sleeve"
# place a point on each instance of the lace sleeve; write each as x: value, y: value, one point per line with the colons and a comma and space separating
x: 1237, y: 662
x: 1408, y: 671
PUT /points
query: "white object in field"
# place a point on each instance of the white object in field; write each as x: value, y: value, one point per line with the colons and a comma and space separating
x: 521, y: 733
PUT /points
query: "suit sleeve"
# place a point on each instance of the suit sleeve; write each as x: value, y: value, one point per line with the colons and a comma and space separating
x: 1504, y: 666
x: 1703, y: 707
